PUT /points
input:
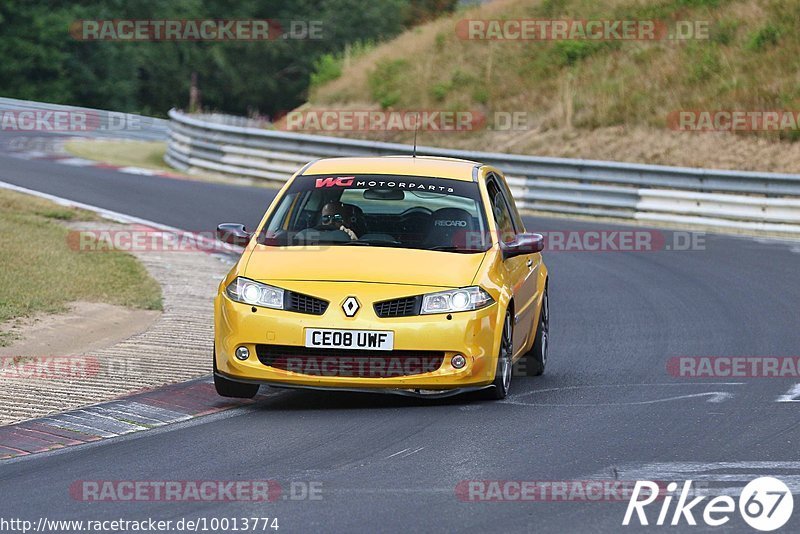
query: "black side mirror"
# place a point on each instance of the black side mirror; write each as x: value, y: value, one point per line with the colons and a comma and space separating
x: 523, y: 244
x: 233, y: 234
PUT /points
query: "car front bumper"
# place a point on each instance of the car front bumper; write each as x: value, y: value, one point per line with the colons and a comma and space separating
x: 473, y: 334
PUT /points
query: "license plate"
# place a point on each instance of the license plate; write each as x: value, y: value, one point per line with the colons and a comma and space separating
x: 349, y: 339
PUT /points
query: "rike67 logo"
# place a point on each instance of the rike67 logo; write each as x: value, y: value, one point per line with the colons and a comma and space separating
x: 765, y: 504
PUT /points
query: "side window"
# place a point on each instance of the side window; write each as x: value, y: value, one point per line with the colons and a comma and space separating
x: 502, y: 216
x: 518, y: 224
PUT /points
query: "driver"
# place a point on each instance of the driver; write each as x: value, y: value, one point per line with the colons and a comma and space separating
x: 337, y: 216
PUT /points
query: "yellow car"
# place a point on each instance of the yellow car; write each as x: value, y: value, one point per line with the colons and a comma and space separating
x: 398, y: 274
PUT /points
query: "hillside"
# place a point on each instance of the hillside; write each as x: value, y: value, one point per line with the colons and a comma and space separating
x: 601, y: 99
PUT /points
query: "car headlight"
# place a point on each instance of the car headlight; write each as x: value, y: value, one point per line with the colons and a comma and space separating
x: 456, y: 300
x: 255, y: 293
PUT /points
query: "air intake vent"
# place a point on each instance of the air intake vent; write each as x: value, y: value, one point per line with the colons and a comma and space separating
x: 297, y: 302
x: 404, y: 307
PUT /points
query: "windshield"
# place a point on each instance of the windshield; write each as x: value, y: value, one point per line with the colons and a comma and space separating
x: 379, y: 210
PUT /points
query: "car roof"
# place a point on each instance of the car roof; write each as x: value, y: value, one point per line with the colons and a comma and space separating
x: 428, y: 166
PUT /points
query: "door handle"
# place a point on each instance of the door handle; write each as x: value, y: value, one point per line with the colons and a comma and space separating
x: 530, y: 263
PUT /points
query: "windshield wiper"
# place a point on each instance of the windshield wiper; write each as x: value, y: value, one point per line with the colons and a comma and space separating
x: 381, y: 241
x: 377, y: 242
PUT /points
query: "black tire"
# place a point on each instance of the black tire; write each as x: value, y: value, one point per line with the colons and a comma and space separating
x: 232, y: 389
x: 535, y: 360
x: 503, y: 372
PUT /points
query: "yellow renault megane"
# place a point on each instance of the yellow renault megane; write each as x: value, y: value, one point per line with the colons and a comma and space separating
x: 411, y: 275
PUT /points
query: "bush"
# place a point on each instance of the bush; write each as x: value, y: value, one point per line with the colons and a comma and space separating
x: 481, y: 95
x: 570, y: 52
x: 326, y: 68
x: 439, y: 91
x: 384, y: 81
x: 763, y: 38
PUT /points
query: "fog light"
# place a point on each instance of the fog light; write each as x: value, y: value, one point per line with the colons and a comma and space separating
x: 242, y: 353
x: 458, y: 361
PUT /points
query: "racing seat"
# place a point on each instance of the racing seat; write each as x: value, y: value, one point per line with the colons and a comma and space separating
x: 450, y: 227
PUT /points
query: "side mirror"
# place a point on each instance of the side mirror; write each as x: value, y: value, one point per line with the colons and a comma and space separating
x: 233, y: 234
x: 523, y: 244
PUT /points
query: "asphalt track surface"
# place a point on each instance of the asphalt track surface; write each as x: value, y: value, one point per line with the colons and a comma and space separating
x: 605, y: 407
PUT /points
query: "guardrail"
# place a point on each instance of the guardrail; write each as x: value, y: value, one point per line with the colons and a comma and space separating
x: 755, y: 201
x: 104, y: 124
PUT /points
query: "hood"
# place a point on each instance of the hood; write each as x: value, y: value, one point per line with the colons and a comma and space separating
x: 381, y: 265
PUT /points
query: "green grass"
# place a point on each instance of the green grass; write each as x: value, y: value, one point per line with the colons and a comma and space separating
x: 145, y: 154
x: 42, y: 274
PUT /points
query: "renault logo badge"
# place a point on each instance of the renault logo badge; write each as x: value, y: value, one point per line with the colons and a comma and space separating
x: 350, y: 306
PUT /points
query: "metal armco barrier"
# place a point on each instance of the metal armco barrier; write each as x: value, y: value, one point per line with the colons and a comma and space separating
x: 99, y: 123
x: 753, y: 201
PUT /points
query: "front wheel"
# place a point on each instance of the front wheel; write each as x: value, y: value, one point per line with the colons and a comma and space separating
x: 229, y: 388
x: 502, y: 375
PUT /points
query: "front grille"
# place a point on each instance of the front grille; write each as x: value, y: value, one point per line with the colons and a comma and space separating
x: 297, y: 302
x: 349, y: 363
x: 402, y: 307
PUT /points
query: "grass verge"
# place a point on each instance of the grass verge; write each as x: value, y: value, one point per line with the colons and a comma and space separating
x: 41, y: 273
x: 145, y: 154
x: 148, y: 155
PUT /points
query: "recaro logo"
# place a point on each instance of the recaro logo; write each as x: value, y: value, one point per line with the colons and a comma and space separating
x: 334, y: 181
x: 450, y: 223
